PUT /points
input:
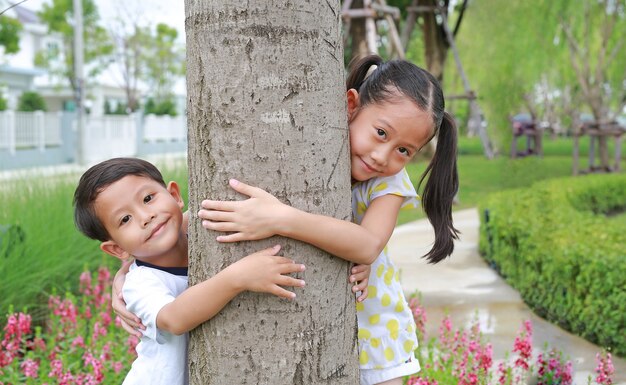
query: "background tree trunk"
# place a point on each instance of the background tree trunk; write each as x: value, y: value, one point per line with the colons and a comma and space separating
x: 267, y: 105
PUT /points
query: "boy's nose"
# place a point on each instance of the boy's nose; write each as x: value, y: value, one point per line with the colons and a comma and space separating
x: 147, y: 217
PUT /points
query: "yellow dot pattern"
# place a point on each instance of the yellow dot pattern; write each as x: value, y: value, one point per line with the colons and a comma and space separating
x: 386, y: 332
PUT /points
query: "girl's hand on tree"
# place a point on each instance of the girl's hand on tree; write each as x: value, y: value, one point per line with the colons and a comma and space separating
x: 360, y: 276
x: 265, y: 272
x: 248, y: 220
x: 130, y: 322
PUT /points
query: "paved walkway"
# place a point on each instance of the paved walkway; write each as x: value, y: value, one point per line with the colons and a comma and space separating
x: 465, y: 287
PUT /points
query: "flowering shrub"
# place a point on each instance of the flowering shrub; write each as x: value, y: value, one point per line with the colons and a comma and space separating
x: 462, y: 357
x: 79, y: 344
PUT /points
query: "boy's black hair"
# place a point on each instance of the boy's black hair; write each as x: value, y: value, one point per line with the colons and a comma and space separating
x: 383, y: 85
x: 96, y: 179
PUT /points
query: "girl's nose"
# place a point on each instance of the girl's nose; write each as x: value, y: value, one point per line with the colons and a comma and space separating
x: 379, y: 155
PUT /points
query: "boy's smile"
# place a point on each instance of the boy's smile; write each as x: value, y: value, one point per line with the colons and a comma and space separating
x: 143, y: 220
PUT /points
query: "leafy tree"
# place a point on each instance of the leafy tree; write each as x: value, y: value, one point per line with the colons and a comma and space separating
x: 506, y: 49
x: 132, y: 42
x: 31, y: 101
x: 58, y: 15
x: 10, y: 34
x: 166, y: 61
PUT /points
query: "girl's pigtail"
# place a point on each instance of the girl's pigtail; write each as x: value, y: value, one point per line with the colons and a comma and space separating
x: 440, y: 189
x: 358, y: 70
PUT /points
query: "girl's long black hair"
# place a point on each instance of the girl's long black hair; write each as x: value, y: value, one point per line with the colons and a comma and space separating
x: 383, y: 84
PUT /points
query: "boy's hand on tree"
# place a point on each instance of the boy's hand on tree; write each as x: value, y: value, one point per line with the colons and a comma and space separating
x: 248, y: 220
x: 360, y: 276
x: 265, y: 272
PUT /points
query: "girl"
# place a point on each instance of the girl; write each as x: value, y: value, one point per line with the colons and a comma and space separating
x: 394, y: 110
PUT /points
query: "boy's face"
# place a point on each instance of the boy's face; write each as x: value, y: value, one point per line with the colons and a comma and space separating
x: 143, y: 219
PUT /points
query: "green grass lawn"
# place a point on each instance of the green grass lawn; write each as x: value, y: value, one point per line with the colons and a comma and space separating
x: 53, y: 253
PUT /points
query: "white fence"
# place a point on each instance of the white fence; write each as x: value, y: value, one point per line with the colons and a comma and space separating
x: 164, y: 128
x: 25, y: 130
x: 103, y: 137
x: 108, y: 137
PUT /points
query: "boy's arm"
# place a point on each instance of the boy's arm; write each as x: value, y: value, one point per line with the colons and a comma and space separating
x: 262, y: 216
x: 129, y: 321
x: 263, y: 271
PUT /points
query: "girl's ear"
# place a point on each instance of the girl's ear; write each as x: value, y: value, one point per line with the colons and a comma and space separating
x: 353, y: 102
x: 114, y: 250
x: 174, y: 190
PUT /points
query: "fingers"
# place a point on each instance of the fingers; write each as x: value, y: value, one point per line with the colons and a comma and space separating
x: 363, y: 295
x: 283, y: 293
x: 215, y: 215
x: 129, y: 329
x: 210, y: 206
x: 285, y: 280
x: 245, y: 189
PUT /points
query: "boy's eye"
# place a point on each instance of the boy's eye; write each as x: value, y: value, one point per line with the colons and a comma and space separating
x: 404, y: 151
x: 125, y: 219
x: 381, y: 132
x: 147, y: 198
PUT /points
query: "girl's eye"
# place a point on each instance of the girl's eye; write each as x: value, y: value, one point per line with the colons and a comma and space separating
x: 125, y: 219
x: 404, y: 151
x: 147, y: 198
x: 381, y: 132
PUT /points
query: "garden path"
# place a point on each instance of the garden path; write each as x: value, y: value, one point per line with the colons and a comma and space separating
x: 465, y: 287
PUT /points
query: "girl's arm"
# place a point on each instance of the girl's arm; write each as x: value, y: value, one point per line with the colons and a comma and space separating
x: 262, y: 216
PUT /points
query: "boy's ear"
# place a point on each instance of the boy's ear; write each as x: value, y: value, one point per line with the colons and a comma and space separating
x: 115, y: 250
x: 353, y: 102
x: 174, y: 189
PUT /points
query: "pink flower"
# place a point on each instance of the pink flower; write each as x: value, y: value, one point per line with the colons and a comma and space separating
x: 523, y: 346
x: 30, y: 368
x: 117, y: 367
x: 604, y: 369
x: 78, y: 341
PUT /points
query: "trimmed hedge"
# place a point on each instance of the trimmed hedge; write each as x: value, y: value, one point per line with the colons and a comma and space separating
x: 557, y: 244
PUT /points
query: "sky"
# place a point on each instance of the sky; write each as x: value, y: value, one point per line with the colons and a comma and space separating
x: 170, y: 12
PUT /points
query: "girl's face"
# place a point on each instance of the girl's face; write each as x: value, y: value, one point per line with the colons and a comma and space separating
x: 384, y: 137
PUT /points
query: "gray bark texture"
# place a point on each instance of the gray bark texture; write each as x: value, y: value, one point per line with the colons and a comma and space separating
x: 266, y: 105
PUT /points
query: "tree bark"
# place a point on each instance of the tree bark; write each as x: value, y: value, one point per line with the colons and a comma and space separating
x: 266, y: 105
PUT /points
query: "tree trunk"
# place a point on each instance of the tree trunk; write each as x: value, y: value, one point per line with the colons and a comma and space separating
x: 266, y: 104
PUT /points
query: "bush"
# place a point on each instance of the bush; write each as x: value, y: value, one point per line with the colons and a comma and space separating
x: 3, y: 104
x: 31, y: 101
x: 163, y: 107
x: 558, y: 245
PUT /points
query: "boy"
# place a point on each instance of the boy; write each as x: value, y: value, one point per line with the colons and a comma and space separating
x: 125, y: 204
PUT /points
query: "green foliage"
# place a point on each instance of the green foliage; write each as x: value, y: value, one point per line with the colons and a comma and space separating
x: 58, y: 15
x: 508, y: 48
x: 31, y: 101
x: 166, y: 63
x: 555, y: 245
x: 3, y: 104
x: 10, y: 34
x: 52, y: 249
x: 163, y: 107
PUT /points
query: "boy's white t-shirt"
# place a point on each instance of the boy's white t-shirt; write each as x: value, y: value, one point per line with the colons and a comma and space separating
x: 161, y: 356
